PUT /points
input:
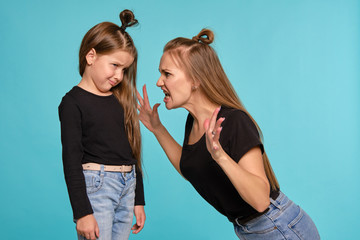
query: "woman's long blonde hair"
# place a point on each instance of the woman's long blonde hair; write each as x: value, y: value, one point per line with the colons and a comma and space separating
x: 105, y: 38
x: 201, y: 63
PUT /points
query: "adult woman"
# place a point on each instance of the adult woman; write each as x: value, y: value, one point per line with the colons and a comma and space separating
x: 223, y: 159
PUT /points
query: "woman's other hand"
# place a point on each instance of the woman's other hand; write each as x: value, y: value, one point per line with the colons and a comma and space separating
x: 148, y: 115
x: 212, y: 132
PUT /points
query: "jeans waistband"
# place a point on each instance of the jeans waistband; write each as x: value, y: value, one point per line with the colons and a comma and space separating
x: 244, y: 219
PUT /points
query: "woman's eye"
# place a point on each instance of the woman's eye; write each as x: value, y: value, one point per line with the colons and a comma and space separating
x: 115, y: 65
x: 166, y: 74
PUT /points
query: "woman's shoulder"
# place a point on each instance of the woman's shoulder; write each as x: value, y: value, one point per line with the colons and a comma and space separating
x: 233, y: 113
x: 237, y: 120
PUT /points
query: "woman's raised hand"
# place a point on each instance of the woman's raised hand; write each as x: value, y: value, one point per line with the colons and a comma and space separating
x: 212, y: 132
x: 148, y: 115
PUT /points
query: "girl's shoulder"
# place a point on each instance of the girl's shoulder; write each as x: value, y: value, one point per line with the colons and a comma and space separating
x: 71, y: 97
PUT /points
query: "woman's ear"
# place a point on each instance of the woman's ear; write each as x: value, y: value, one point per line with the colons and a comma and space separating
x: 91, y: 56
x: 195, y: 85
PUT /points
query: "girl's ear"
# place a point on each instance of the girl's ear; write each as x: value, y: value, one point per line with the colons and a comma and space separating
x: 91, y: 56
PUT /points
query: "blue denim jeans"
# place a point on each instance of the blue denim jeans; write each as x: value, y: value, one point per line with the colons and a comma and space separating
x: 284, y: 221
x: 112, y: 196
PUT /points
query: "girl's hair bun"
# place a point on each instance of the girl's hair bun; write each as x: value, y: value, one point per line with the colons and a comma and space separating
x: 204, y: 36
x: 127, y: 19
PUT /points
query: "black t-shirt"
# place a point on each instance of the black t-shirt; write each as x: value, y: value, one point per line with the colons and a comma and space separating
x: 239, y: 134
x: 92, y: 130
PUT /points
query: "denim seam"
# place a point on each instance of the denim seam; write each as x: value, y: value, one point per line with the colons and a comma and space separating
x: 126, y: 184
x: 295, y: 221
x: 281, y: 210
x: 277, y: 228
x: 94, y: 190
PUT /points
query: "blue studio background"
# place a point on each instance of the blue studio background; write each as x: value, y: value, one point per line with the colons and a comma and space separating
x: 294, y: 64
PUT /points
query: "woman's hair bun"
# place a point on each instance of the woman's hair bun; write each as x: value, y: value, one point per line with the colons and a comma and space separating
x: 127, y: 19
x: 205, y: 36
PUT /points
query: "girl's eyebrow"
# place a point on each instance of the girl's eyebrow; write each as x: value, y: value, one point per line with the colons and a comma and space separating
x: 117, y: 62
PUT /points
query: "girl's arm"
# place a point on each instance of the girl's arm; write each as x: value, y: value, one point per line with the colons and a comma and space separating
x: 150, y: 118
x: 248, y: 175
x: 71, y: 134
x: 88, y: 227
x: 140, y: 217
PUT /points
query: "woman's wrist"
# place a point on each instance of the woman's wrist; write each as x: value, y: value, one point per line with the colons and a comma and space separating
x: 159, y: 130
x: 221, y: 157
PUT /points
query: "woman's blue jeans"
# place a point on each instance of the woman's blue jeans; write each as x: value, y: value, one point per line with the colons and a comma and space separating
x: 284, y: 221
x: 112, y: 196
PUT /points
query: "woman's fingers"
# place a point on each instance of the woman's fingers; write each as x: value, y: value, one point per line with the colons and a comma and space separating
x: 217, y: 135
x: 218, y: 124
x: 213, y: 120
x: 206, y: 125
x: 155, y: 108
x: 141, y: 101
x: 146, y: 98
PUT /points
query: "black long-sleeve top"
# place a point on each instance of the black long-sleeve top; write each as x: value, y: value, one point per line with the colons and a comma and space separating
x: 93, y: 130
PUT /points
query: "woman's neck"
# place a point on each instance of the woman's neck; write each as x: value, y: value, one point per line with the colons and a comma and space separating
x: 200, y: 110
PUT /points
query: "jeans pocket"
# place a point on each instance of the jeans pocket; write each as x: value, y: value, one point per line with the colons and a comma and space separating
x: 304, y: 227
x: 94, y: 181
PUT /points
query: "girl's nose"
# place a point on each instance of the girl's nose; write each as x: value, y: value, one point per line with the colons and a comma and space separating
x: 119, y: 75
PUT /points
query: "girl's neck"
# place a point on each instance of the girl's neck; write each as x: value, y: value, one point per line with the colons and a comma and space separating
x: 87, y: 84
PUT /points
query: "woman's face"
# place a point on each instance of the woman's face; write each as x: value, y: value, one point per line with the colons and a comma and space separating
x: 174, y: 82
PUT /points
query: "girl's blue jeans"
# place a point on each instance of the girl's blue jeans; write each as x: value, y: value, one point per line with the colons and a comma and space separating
x: 284, y: 221
x: 112, y: 196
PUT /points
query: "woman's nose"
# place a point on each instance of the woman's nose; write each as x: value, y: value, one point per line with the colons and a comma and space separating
x: 160, y: 82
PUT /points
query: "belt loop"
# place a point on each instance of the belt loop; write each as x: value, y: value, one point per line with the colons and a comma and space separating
x: 102, y: 171
x: 275, y: 202
x: 134, y: 170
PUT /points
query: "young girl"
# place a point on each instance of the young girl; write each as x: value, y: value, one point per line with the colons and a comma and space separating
x: 101, y: 137
x: 222, y: 155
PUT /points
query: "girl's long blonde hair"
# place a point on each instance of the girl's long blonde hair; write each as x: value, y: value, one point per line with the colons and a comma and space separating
x: 105, y: 38
x: 201, y: 63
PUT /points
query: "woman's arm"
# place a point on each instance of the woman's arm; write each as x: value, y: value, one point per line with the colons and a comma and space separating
x: 150, y: 118
x: 248, y: 175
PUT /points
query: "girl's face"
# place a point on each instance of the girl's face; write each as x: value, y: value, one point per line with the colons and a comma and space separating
x: 107, y: 70
x: 176, y: 85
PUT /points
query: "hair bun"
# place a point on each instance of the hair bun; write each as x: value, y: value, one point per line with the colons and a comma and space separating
x: 205, y: 36
x: 127, y: 19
